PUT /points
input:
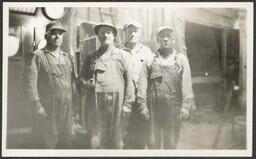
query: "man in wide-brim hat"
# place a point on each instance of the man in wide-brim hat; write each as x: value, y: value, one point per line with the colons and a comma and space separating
x: 107, y: 78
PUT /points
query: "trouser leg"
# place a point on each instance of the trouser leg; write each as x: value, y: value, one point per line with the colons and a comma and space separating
x: 171, y: 134
x: 139, y: 130
x: 108, y: 129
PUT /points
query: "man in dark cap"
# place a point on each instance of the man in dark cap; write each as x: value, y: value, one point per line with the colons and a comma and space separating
x: 166, y: 87
x: 137, y: 135
x: 107, y: 78
x: 48, y: 86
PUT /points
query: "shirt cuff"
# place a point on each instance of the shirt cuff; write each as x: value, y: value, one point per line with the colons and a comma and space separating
x: 36, y: 103
x: 142, y: 106
x: 188, y: 104
x: 127, y: 105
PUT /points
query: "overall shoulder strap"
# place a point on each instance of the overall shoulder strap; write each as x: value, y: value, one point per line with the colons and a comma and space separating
x: 177, y: 62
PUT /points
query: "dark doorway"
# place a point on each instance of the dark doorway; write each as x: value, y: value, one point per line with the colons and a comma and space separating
x: 214, y: 59
x: 204, y: 50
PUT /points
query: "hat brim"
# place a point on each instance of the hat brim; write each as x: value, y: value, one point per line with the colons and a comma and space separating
x: 97, y: 28
x: 129, y: 25
x: 58, y: 28
x: 166, y: 28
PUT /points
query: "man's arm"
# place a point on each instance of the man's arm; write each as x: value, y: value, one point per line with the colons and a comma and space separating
x: 129, y: 94
x: 86, y: 75
x: 142, y: 88
x: 30, y: 76
x: 187, y: 90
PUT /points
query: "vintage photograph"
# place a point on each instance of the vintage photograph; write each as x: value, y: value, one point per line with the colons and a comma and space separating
x: 146, y: 78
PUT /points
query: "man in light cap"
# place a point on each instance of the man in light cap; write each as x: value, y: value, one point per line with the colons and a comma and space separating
x: 48, y: 77
x: 107, y: 78
x: 140, y: 55
x: 167, y: 85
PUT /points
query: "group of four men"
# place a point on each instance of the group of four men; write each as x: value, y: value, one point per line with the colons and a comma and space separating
x: 136, y: 99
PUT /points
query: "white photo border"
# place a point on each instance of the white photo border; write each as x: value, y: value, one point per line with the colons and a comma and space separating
x: 131, y: 153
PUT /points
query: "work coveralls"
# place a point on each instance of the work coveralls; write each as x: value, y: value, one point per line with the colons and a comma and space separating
x: 169, y: 89
x: 137, y: 130
x: 48, y: 80
x: 113, y: 89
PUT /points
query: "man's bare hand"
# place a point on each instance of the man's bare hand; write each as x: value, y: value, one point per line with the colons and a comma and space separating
x: 40, y: 111
x: 184, y: 113
x: 126, y: 111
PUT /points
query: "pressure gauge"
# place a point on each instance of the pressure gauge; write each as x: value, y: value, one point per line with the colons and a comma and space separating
x: 54, y: 13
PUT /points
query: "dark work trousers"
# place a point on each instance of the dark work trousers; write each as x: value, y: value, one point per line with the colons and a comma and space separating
x: 137, y: 131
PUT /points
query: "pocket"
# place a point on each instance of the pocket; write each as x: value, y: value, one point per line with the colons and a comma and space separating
x: 155, y: 75
x: 158, y: 81
x: 100, y: 76
x: 155, y: 72
x: 55, y: 76
x: 99, y: 67
x: 55, y: 72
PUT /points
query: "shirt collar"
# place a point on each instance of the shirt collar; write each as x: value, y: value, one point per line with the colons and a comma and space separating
x: 109, y: 50
x: 173, y: 53
x: 54, y: 55
x: 136, y: 49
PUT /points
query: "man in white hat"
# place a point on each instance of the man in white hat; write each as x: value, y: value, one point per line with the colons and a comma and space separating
x: 48, y: 77
x: 137, y: 130
x: 167, y: 85
x: 107, y: 74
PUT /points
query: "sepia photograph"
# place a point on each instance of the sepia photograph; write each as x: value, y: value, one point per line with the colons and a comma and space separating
x: 127, y: 79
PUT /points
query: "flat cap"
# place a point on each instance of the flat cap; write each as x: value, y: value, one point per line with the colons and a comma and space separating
x: 97, y: 28
x: 132, y: 23
x: 161, y: 28
x: 54, y: 25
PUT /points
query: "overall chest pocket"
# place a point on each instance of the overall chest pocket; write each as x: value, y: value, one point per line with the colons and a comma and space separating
x: 156, y: 75
x: 100, y: 72
x: 57, y: 79
x: 156, y: 79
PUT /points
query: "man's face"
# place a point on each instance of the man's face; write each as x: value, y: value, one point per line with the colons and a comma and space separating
x: 166, y: 39
x: 132, y: 34
x: 106, y: 35
x: 54, y: 37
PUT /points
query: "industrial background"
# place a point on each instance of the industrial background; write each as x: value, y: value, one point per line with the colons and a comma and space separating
x: 214, y: 39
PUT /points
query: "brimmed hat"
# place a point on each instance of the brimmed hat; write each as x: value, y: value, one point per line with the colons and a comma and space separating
x: 97, y: 28
x: 161, y: 28
x: 132, y: 23
x: 54, y: 25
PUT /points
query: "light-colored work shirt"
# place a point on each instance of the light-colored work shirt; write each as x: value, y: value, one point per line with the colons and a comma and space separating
x: 140, y: 55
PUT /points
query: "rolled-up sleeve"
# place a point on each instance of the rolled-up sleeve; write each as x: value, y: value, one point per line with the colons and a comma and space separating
x: 30, y: 77
x: 187, y: 90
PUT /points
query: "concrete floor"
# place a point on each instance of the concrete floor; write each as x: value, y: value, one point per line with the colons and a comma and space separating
x: 201, y: 131
x: 197, y: 133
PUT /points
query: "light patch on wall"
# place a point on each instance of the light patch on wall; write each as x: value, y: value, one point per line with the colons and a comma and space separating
x: 14, y: 44
x: 26, y: 10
